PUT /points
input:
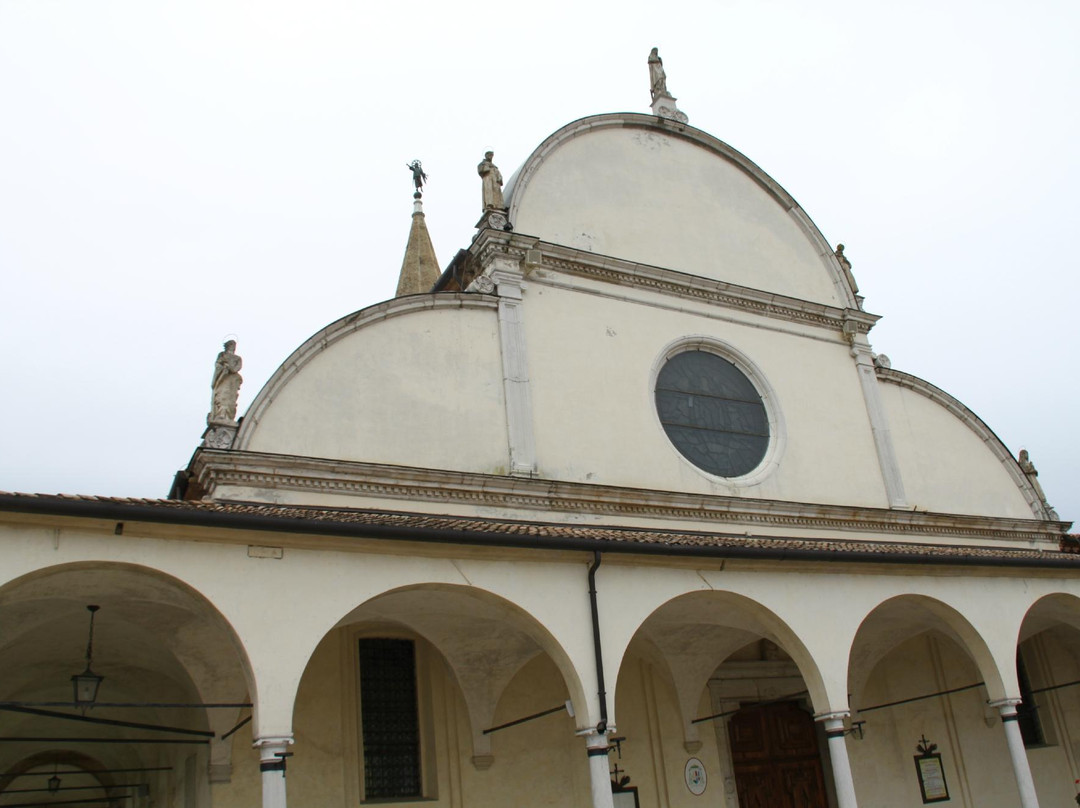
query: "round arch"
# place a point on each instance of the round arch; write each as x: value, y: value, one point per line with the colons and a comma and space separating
x: 157, y: 641
x: 903, y: 617
x: 695, y: 632
x: 484, y: 638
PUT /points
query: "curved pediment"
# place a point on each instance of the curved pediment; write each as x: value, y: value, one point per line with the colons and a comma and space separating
x: 657, y: 192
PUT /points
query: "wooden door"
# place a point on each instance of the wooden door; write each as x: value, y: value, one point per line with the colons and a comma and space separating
x: 775, y: 752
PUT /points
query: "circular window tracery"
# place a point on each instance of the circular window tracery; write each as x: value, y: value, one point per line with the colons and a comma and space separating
x: 712, y: 413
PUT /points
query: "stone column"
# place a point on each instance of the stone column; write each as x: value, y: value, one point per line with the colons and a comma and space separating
x: 841, y: 766
x: 272, y: 766
x: 1021, y: 768
x: 599, y: 774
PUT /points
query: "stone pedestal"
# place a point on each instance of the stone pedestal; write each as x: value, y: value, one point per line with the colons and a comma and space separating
x: 219, y: 435
x: 494, y: 219
x: 664, y: 107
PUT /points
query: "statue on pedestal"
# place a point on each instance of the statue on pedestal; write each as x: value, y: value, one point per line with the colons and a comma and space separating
x: 418, y: 176
x: 492, y: 181
x: 657, y: 76
x: 1032, y: 474
x: 226, y: 386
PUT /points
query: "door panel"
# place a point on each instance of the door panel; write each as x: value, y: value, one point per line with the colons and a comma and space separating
x: 775, y: 754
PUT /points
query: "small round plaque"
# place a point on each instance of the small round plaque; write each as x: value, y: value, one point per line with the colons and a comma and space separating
x: 696, y: 779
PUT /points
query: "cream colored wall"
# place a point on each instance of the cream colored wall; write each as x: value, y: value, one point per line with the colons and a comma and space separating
x: 538, y: 763
x: 423, y: 388
x: 592, y: 363
x: 284, y: 617
x: 645, y: 195
x: 969, y: 736
x: 946, y: 467
x: 653, y: 753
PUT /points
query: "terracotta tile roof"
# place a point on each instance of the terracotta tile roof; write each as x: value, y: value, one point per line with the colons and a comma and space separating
x: 360, y: 523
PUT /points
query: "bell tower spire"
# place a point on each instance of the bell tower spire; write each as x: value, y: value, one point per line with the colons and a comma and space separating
x: 420, y: 267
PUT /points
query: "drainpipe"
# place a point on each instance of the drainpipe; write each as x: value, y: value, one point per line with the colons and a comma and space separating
x: 601, y: 728
x: 596, y: 742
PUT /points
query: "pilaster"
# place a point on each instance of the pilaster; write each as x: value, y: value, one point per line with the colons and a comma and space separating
x: 507, y: 274
x: 879, y: 424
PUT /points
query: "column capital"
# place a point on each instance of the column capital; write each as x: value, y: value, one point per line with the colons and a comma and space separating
x: 270, y: 746
x: 1006, y: 706
x: 594, y: 739
x: 835, y: 715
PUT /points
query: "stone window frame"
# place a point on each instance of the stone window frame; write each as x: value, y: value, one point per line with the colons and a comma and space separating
x: 777, y: 428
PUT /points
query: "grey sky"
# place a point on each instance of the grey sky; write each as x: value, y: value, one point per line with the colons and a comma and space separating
x: 173, y: 173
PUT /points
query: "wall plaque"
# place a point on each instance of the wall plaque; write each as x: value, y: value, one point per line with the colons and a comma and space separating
x: 931, y: 772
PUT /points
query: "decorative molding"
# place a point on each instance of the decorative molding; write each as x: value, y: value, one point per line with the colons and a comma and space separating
x: 976, y: 425
x: 567, y: 260
x: 273, y: 472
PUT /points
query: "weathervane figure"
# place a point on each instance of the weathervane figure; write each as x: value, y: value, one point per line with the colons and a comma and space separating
x: 418, y: 177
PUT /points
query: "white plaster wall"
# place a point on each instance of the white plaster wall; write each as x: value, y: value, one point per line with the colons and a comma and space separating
x: 592, y: 361
x: 946, y: 467
x: 648, y: 196
x: 423, y: 388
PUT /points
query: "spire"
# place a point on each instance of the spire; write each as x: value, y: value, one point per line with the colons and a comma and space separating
x: 420, y: 269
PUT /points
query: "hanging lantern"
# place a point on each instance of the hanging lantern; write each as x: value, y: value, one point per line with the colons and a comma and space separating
x: 85, y: 685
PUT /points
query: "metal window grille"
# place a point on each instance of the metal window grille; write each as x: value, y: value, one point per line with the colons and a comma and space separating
x: 390, y: 719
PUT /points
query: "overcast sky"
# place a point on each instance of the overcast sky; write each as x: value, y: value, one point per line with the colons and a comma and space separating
x: 176, y: 173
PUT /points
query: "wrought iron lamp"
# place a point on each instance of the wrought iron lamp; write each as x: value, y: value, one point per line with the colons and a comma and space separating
x: 54, y: 781
x: 86, y: 684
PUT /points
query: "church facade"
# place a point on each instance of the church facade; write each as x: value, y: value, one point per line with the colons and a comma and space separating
x: 619, y: 509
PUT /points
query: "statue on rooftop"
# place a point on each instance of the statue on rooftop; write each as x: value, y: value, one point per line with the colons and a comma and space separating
x: 657, y: 76
x: 1032, y: 474
x: 418, y: 176
x: 845, y: 265
x: 226, y: 386
x: 492, y: 181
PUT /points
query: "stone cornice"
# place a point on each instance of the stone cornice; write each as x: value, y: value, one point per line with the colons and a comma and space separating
x: 541, y: 257
x: 215, y: 469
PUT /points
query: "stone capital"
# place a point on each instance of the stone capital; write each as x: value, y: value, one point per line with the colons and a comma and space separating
x: 270, y: 746
x: 1006, y: 706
